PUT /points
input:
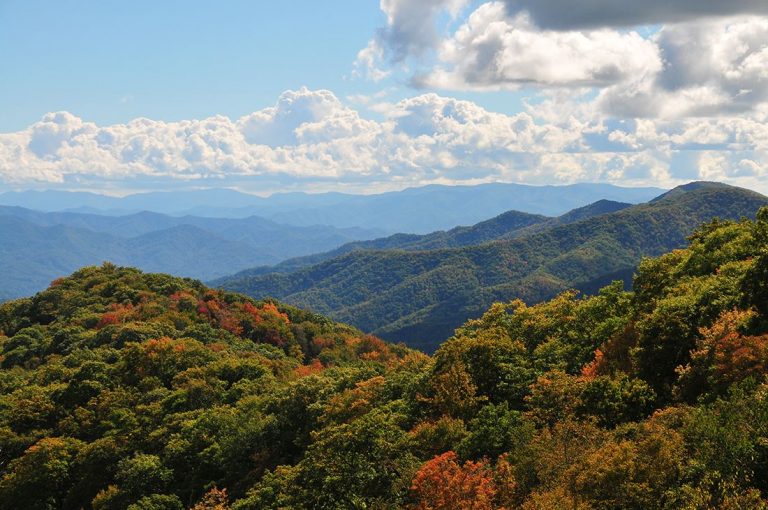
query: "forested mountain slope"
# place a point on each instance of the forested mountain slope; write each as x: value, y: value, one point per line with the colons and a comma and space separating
x: 495, y: 228
x: 130, y: 391
x: 420, y: 297
x: 507, y: 225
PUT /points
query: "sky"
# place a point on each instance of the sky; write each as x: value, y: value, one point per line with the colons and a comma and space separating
x: 365, y: 96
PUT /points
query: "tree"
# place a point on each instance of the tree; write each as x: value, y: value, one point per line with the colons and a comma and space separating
x: 214, y: 499
x: 495, y: 430
x: 444, y: 484
x: 41, y: 478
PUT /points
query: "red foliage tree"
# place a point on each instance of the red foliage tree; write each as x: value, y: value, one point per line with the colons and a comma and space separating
x: 118, y: 313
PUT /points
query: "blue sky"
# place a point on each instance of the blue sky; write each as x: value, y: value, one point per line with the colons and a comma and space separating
x: 111, y: 61
x: 366, y: 96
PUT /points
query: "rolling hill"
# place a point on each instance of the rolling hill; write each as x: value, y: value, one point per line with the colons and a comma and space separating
x: 420, y: 296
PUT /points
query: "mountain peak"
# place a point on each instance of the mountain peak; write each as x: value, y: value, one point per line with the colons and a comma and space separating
x: 602, y: 206
x: 692, y: 186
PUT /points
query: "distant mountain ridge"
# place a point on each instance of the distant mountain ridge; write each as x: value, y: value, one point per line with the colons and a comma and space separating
x: 420, y: 296
x: 38, y: 246
x: 144, y: 222
x: 414, y: 210
x: 506, y: 225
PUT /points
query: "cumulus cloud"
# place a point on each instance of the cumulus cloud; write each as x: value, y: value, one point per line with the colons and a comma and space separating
x: 411, y: 31
x: 710, y: 68
x: 47, y: 135
x: 411, y: 26
x: 570, y: 14
x: 311, y: 140
x: 493, y: 51
x: 702, y: 58
x: 368, y: 61
x: 302, y: 116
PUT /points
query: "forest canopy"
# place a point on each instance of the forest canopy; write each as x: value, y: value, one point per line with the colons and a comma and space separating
x: 125, y: 390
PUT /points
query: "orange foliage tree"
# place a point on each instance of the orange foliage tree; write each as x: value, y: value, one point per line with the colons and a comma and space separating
x: 443, y: 484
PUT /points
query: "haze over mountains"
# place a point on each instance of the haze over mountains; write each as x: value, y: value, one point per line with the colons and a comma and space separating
x: 506, y: 225
x: 51, y: 233
x: 420, y: 296
x: 414, y: 210
x: 411, y: 287
x: 39, y: 246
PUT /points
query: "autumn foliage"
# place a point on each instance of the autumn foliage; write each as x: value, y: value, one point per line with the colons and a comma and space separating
x: 444, y: 484
x: 131, y: 391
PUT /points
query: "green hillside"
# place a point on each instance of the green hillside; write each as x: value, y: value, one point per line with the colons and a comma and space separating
x: 122, y: 390
x: 507, y: 225
x: 420, y: 297
x: 501, y: 226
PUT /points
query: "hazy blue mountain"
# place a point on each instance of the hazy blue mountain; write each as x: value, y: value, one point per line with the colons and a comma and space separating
x: 414, y: 210
x: 284, y: 240
x: 33, y: 255
x: 52, y: 200
x: 433, y: 208
x: 420, y: 296
x: 39, y: 246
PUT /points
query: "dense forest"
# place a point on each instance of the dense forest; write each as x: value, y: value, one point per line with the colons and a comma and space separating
x: 420, y: 296
x: 125, y: 390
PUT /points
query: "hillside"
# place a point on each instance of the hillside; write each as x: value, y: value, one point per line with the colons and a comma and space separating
x: 39, y: 246
x: 503, y: 225
x: 414, y: 210
x: 131, y: 391
x: 507, y: 225
x: 420, y: 297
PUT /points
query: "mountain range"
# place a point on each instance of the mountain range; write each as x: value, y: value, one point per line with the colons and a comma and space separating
x: 414, y: 210
x: 51, y: 233
x: 38, y: 246
x: 418, y: 289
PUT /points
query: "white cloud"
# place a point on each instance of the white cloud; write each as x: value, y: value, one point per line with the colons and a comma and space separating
x: 411, y: 32
x: 47, y: 135
x: 299, y: 114
x: 717, y: 67
x: 492, y: 51
x: 707, y: 58
x: 411, y: 26
x: 368, y: 61
x: 311, y: 140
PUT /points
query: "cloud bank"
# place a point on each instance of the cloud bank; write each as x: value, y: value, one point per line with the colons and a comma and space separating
x: 310, y: 140
x: 700, y: 58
